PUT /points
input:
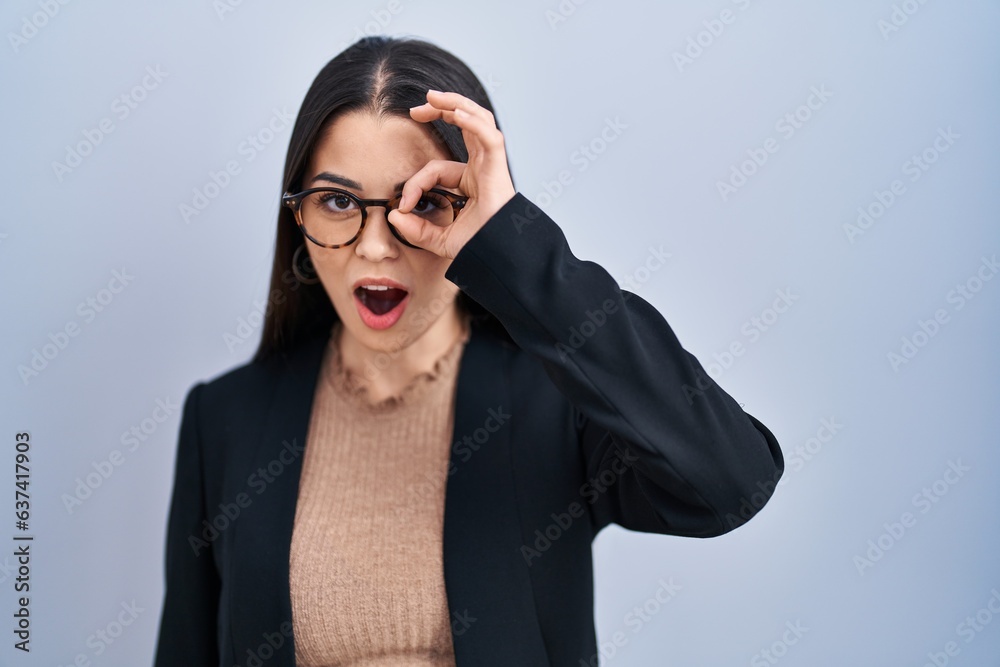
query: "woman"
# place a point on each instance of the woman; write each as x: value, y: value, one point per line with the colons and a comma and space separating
x: 446, y: 407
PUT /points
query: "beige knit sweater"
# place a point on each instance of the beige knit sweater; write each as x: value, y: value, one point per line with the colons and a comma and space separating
x: 366, y: 568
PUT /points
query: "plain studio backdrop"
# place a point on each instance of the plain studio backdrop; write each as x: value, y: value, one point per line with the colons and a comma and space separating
x: 807, y: 193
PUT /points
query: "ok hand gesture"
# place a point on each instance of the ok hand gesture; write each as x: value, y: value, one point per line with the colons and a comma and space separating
x: 485, y: 180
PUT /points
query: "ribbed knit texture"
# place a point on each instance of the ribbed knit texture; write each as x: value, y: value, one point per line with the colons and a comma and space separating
x: 366, y: 566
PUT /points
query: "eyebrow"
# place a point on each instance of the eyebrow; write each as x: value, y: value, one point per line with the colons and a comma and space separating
x: 347, y: 182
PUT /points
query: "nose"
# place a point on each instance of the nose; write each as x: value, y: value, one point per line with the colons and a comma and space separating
x: 377, y: 241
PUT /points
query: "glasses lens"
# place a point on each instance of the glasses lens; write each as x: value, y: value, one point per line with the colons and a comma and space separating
x: 332, y: 218
x: 434, y: 208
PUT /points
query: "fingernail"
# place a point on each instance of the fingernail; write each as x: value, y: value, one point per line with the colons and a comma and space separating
x: 431, y: 90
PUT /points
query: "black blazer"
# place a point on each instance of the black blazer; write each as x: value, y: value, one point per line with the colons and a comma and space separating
x: 593, y: 414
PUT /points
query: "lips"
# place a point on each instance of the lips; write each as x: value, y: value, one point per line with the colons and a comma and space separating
x: 380, y: 301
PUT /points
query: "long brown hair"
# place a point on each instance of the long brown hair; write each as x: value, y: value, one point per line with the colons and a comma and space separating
x: 380, y: 75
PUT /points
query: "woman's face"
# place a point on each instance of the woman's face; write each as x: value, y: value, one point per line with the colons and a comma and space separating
x: 371, y: 158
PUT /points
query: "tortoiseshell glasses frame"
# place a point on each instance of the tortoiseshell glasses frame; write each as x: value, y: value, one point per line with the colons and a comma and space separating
x: 294, y: 202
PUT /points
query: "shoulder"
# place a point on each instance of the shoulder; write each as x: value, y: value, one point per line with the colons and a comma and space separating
x: 244, y: 381
x: 238, y: 399
x: 246, y: 392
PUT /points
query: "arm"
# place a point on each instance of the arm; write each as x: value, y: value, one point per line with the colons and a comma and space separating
x: 684, y: 457
x: 188, y: 620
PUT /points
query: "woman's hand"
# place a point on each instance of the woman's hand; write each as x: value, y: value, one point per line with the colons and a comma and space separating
x: 485, y: 180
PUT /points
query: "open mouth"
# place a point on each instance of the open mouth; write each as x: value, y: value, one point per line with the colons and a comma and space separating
x: 380, y: 306
x: 381, y: 300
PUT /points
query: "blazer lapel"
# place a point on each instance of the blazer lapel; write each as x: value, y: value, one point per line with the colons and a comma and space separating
x: 494, y: 620
x: 261, y: 609
x: 493, y: 616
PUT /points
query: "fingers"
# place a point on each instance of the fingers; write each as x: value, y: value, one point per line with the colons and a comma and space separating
x: 479, y: 123
x: 418, y: 231
x: 485, y: 130
x: 483, y: 179
x: 445, y: 173
x: 439, y: 102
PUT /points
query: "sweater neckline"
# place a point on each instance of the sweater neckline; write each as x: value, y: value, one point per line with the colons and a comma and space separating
x: 351, y: 387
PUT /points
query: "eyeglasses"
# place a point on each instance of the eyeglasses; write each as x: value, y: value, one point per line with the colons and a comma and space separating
x: 333, y: 218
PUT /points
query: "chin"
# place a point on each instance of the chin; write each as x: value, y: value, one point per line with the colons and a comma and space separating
x: 390, y: 340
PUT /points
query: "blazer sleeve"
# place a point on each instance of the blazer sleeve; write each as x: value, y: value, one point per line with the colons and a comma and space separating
x: 188, y: 621
x: 665, y: 448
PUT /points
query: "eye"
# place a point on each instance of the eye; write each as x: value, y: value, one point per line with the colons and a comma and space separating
x: 429, y: 202
x: 336, y: 202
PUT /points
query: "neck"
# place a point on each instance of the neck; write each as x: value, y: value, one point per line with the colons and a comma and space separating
x: 392, y: 366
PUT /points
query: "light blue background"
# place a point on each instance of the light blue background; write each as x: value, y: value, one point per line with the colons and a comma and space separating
x: 554, y: 85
